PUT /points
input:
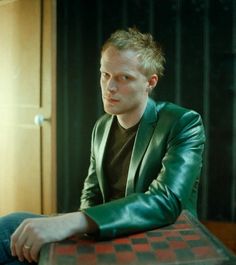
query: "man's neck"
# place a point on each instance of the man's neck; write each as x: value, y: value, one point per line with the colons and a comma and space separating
x: 128, y: 120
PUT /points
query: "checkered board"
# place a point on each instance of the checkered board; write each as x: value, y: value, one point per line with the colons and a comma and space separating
x: 185, y: 242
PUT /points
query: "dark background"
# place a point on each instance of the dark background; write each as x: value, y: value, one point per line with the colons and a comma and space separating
x: 199, y: 40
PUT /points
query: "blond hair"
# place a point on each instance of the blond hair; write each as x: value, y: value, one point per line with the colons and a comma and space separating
x: 149, y: 52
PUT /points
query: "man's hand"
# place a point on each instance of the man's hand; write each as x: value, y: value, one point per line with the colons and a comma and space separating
x: 30, y: 236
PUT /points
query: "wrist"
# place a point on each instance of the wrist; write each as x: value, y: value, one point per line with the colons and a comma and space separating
x: 79, y: 222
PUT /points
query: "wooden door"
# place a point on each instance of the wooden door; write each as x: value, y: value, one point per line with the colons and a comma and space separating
x: 27, y: 89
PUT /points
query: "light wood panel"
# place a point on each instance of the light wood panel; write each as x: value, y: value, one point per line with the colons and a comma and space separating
x: 27, y: 88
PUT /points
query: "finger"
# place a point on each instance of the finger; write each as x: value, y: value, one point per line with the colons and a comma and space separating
x: 26, y: 250
x: 20, y: 250
x: 14, y: 239
x: 18, y: 239
x: 34, y: 251
x: 19, y: 246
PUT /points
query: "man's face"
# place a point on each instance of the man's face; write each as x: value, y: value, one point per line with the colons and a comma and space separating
x: 124, y: 86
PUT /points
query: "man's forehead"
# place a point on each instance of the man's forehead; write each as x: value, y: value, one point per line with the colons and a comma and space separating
x: 112, y: 51
x: 126, y: 59
x: 118, y: 68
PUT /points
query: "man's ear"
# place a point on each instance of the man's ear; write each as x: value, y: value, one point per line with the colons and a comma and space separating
x: 152, y: 82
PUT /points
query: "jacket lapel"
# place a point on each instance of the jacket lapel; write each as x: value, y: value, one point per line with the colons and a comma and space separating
x: 143, y: 137
x: 100, y: 173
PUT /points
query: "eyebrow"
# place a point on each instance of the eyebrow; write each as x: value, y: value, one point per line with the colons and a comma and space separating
x: 130, y: 73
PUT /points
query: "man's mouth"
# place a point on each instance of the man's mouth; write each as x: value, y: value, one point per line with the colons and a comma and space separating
x: 111, y: 100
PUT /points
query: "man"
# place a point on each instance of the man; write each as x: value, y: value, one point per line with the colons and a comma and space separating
x: 146, y: 157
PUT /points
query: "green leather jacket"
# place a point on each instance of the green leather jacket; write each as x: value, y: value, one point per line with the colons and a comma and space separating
x: 163, y: 175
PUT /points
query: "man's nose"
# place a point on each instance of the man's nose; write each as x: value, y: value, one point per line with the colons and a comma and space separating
x: 111, y: 85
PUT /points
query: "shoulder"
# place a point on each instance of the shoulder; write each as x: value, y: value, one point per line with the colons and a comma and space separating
x: 104, y: 121
x: 173, y: 112
x: 170, y: 116
x: 181, y: 121
x: 169, y: 108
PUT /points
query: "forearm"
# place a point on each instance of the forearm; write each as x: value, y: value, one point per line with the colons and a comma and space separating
x: 136, y: 213
x: 32, y: 233
x: 78, y: 223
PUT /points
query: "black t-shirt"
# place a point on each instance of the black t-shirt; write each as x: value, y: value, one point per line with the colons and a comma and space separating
x: 117, y: 158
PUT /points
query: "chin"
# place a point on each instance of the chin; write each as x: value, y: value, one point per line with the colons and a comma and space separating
x: 111, y: 111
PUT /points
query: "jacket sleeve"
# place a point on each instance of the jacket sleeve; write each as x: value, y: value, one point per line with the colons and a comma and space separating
x: 169, y: 191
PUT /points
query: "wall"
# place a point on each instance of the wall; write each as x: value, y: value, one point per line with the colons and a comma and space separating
x: 199, y: 39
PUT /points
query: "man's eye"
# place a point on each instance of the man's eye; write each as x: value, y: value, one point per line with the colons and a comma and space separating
x: 105, y: 75
x: 124, y: 77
